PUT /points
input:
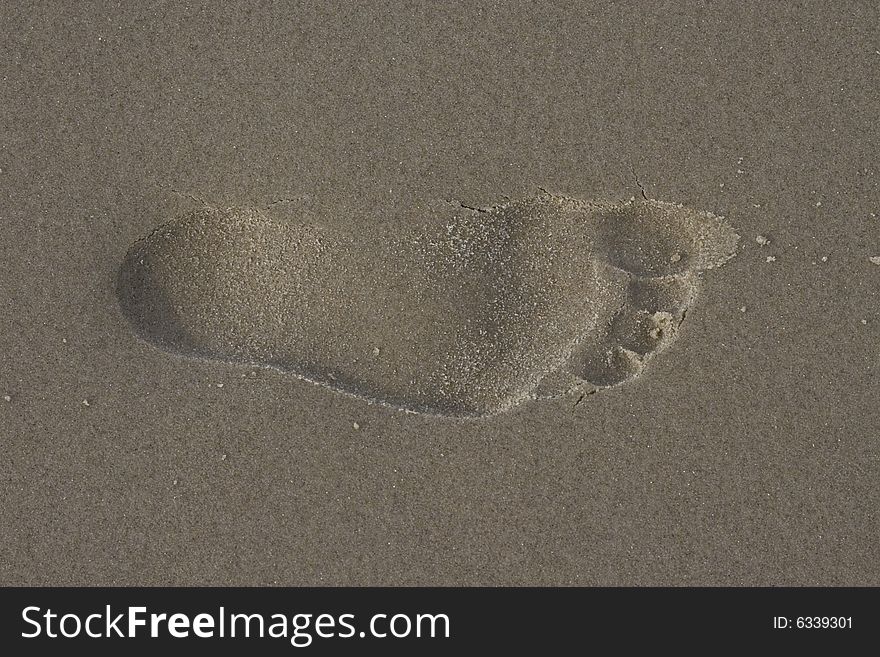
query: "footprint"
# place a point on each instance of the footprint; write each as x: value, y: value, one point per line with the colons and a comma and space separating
x: 468, y: 313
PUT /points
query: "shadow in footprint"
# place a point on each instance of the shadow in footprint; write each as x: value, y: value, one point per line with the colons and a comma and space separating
x: 469, y: 313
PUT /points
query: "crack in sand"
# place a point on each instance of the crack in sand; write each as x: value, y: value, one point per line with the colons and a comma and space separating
x: 638, y: 183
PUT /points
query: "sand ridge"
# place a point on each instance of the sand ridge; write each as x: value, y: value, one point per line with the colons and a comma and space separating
x: 465, y: 314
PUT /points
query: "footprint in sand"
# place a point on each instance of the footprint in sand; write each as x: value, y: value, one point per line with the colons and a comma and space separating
x: 469, y: 313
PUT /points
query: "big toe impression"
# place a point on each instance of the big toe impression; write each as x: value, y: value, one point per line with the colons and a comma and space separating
x: 652, y: 238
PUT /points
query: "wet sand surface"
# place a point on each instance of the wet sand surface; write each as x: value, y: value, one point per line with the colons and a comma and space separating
x: 746, y: 453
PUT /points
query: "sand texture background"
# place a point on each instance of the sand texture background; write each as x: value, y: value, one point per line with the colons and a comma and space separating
x: 748, y: 454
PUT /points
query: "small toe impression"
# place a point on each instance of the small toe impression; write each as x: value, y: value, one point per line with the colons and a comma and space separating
x: 610, y: 368
x: 641, y: 331
x: 672, y: 294
x: 631, y: 338
x: 652, y: 238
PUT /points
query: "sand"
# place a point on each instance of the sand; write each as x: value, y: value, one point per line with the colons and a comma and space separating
x: 745, y: 453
